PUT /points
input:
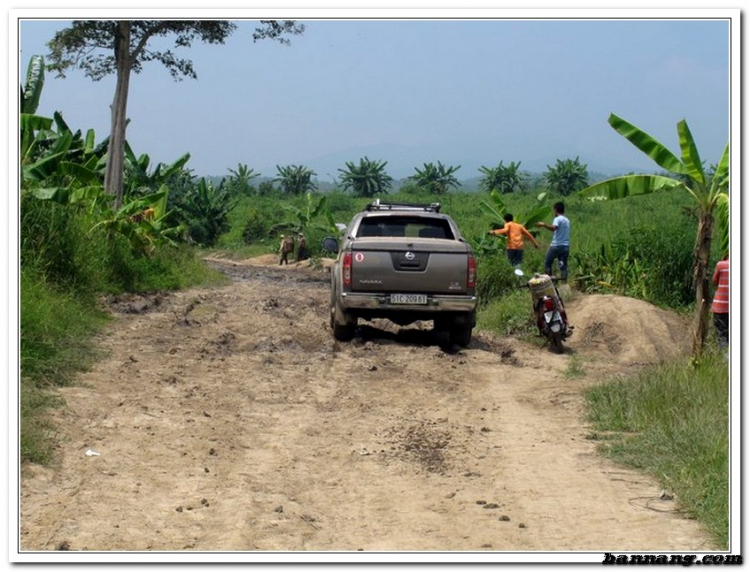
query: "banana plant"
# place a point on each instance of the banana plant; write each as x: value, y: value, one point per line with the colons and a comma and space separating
x: 58, y: 155
x: 295, y: 179
x: 504, y: 179
x: 304, y: 219
x: 31, y: 93
x: 496, y: 208
x: 144, y: 222
x: 710, y: 194
x: 436, y: 179
x: 139, y: 180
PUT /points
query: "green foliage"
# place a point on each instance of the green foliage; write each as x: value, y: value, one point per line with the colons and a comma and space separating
x: 688, y: 174
x: 648, y: 262
x: 508, y: 315
x: 266, y: 188
x: 495, y: 207
x: 436, y: 179
x: 314, y: 214
x: 672, y: 421
x: 295, y: 179
x: 169, y: 268
x: 256, y: 227
x: 494, y: 277
x: 367, y: 179
x: 206, y: 210
x: 55, y: 323
x: 32, y: 92
x: 502, y: 179
x: 240, y: 181
x: 53, y: 241
x: 139, y: 181
x: 566, y: 177
x: 58, y: 157
x: 92, y: 45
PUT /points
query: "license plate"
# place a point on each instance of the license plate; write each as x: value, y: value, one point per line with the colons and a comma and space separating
x: 552, y: 317
x: 408, y: 299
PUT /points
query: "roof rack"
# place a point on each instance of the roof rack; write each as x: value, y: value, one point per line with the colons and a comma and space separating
x: 377, y: 205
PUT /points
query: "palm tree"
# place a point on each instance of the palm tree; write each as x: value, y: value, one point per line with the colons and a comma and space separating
x: 295, y: 179
x: 566, y: 177
x: 710, y: 194
x: 366, y: 179
x: 436, y: 179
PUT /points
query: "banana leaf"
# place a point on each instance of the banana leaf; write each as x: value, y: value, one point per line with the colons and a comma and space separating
x: 31, y: 94
x: 721, y: 176
x: 622, y: 187
x: 650, y: 146
x: 690, y: 157
x: 79, y: 172
x: 496, y: 208
x: 721, y: 216
x: 32, y: 122
x: 57, y: 194
x: 44, y: 168
x: 66, y: 195
x: 89, y: 142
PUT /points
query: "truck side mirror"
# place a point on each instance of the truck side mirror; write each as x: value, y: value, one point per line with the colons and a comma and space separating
x: 330, y: 244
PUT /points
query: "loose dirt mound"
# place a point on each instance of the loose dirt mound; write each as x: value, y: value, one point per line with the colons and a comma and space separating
x: 628, y: 331
x: 229, y: 419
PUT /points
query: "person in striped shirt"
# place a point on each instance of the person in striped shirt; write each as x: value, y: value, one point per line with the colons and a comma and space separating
x: 720, y: 304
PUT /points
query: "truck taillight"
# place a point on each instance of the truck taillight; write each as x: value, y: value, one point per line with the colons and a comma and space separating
x: 346, y: 269
x: 471, y: 275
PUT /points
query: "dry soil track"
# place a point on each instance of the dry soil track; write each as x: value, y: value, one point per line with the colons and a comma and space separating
x: 228, y: 419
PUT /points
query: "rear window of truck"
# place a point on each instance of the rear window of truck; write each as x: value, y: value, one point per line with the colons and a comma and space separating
x: 413, y: 227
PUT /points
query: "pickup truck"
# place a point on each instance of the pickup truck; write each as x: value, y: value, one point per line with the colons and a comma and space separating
x: 403, y: 262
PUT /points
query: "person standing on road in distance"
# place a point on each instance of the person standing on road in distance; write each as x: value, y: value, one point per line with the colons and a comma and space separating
x: 285, y: 248
x: 301, y: 247
x: 515, y: 232
x: 720, y: 303
x: 560, y: 246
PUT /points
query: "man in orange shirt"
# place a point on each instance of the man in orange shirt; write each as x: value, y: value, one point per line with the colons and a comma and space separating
x: 515, y: 233
x: 720, y: 304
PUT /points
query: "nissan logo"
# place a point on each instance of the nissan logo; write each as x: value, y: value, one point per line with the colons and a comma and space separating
x: 409, y: 256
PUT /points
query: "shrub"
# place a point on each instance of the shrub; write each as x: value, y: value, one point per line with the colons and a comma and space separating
x: 256, y: 227
x: 494, y: 277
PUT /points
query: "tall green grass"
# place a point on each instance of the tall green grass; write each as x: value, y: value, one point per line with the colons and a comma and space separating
x: 672, y: 421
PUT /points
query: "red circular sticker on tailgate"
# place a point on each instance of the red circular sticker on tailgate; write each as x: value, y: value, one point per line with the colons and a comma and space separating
x: 359, y: 257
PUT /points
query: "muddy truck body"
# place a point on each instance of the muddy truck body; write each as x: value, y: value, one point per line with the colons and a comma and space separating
x: 405, y: 263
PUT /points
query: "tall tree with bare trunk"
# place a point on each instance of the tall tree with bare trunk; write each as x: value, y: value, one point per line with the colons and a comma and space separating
x: 104, y: 47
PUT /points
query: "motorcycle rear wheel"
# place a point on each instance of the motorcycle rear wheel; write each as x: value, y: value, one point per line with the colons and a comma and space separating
x: 555, y: 340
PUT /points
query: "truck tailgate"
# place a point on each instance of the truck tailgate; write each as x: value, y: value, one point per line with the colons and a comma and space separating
x: 431, y: 266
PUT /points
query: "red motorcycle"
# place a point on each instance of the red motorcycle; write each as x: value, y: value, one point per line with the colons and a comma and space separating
x: 551, y: 318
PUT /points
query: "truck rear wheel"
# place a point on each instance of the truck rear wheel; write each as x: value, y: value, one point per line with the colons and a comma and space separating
x: 342, y: 324
x: 461, y: 328
x: 461, y: 335
x: 343, y: 333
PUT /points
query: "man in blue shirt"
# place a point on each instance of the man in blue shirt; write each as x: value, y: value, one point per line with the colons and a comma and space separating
x: 560, y: 246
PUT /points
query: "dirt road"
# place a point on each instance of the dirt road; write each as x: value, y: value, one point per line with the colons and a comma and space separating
x: 229, y: 419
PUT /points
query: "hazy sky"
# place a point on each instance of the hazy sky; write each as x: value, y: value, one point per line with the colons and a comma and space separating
x: 467, y: 92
